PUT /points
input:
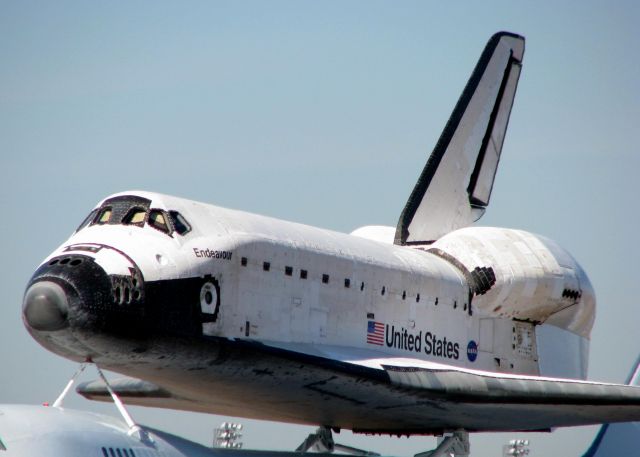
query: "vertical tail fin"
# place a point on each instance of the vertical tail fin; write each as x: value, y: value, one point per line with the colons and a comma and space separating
x: 455, y: 185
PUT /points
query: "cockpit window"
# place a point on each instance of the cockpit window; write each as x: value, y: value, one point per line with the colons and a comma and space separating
x: 88, y: 219
x: 115, y: 210
x: 105, y: 216
x: 179, y: 222
x: 135, y: 216
x: 135, y: 210
x: 158, y: 220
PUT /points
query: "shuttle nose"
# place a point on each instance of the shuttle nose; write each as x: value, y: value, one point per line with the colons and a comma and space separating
x: 72, y: 295
x: 45, y: 306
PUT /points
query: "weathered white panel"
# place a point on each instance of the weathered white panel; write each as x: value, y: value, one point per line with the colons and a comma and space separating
x: 486, y: 335
x: 318, y: 324
x: 561, y: 353
x: 530, y: 283
x: 380, y: 233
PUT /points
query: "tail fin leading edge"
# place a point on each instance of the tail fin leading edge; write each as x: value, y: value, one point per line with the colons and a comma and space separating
x: 455, y: 185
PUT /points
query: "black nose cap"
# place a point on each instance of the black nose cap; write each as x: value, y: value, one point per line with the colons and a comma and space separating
x: 45, y: 306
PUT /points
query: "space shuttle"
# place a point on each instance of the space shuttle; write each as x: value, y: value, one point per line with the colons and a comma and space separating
x: 434, y: 326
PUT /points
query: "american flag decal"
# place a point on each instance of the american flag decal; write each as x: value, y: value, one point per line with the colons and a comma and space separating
x: 375, y: 333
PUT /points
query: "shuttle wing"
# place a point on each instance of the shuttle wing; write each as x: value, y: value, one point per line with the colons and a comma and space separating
x: 369, y: 393
x: 490, y: 402
x: 455, y: 185
x: 487, y: 401
x: 618, y: 439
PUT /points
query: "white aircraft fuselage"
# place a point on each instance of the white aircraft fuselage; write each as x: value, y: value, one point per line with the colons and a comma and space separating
x: 33, y: 430
x: 434, y: 325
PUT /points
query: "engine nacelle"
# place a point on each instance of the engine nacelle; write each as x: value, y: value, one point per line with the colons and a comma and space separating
x: 519, y: 275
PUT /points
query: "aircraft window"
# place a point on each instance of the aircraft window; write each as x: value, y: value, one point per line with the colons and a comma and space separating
x: 347, y: 282
x: 243, y: 261
x: 158, y: 221
x: 118, y: 452
x: 362, y: 286
x: 266, y: 266
x: 404, y: 294
x: 116, y: 209
x: 288, y: 271
x: 104, y: 216
x: 111, y: 452
x: 325, y: 278
x: 303, y: 274
x: 87, y: 220
x: 417, y: 298
x: 179, y: 223
x: 135, y: 216
x: 384, y: 289
x: 104, y: 452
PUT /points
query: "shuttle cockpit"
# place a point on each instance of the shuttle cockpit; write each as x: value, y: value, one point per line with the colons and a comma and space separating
x: 136, y: 211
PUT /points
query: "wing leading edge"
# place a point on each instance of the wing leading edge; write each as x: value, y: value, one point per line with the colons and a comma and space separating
x: 618, y: 439
x: 491, y: 403
x: 454, y: 188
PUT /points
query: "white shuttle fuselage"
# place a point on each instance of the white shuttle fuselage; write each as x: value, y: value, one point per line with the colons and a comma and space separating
x: 432, y: 326
x: 290, y: 285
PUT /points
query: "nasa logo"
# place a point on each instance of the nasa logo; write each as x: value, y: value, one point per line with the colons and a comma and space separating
x: 472, y: 351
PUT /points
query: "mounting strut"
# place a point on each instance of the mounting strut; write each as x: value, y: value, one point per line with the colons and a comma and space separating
x: 454, y: 444
x: 322, y: 441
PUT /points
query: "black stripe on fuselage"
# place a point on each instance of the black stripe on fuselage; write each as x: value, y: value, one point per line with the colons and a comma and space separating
x: 173, y: 306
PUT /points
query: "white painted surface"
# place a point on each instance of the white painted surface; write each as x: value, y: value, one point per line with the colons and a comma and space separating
x: 563, y: 354
x: 410, y: 291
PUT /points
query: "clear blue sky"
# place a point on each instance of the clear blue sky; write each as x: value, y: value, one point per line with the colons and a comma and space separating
x: 322, y: 113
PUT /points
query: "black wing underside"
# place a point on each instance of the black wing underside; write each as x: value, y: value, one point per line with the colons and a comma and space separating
x: 380, y: 396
